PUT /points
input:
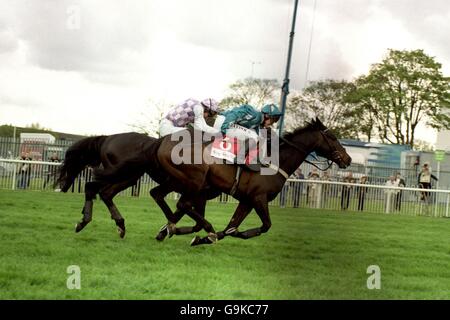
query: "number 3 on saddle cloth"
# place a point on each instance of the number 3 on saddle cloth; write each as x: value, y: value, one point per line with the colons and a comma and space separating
x: 229, y: 149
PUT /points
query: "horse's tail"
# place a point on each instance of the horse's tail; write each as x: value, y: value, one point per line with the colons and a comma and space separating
x: 85, y: 152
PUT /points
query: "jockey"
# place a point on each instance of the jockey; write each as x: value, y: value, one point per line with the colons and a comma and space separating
x: 192, y: 112
x: 236, y: 122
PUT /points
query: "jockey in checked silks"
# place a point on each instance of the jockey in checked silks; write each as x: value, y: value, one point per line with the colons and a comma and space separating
x: 189, y: 112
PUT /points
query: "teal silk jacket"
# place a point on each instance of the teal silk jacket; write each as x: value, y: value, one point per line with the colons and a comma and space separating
x: 245, y: 115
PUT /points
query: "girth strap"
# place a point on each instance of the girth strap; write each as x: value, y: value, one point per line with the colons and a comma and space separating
x: 236, y: 181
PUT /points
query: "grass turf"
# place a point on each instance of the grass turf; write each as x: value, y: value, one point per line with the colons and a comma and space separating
x: 307, y: 254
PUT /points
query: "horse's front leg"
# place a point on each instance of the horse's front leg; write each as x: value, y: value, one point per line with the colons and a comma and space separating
x: 262, y: 210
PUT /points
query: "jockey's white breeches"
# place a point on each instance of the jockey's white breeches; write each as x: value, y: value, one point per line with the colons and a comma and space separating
x: 166, y: 127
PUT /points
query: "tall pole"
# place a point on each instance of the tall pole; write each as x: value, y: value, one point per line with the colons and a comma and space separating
x: 285, y: 87
x: 308, y: 59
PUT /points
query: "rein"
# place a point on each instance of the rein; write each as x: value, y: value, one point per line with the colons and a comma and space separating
x: 329, y: 162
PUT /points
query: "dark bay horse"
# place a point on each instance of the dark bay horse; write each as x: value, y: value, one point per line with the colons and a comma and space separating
x: 254, y: 190
x: 108, y: 152
x: 135, y: 155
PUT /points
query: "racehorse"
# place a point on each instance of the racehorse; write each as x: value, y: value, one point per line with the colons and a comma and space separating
x: 106, y: 151
x: 254, y: 190
x: 134, y: 153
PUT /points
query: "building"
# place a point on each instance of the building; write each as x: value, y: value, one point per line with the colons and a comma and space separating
x: 38, y: 145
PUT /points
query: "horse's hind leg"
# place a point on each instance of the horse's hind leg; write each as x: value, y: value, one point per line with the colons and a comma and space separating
x: 169, y: 228
x: 241, y: 212
x: 107, y: 194
x: 183, y: 207
x: 195, y: 210
x: 199, y: 208
x: 90, y: 190
x: 158, y: 193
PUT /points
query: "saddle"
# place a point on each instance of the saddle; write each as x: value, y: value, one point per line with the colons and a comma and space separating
x: 234, y: 152
x: 231, y: 150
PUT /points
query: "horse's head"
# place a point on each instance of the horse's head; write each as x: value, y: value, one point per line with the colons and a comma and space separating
x: 329, y: 147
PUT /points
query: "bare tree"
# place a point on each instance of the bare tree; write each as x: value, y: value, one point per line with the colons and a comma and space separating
x: 149, y: 119
x: 255, y: 92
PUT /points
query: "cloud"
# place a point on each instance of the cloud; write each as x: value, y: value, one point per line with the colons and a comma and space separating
x: 8, y: 42
x: 109, y: 33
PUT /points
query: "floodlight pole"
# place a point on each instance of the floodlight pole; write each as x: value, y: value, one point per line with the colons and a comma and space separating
x: 285, y: 86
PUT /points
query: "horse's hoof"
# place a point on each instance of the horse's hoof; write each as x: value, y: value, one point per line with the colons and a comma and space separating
x: 231, y: 231
x: 161, y: 236
x: 195, y: 241
x: 121, y: 232
x: 212, y: 237
x: 163, y: 228
x: 163, y: 233
x: 78, y: 227
x: 171, y: 229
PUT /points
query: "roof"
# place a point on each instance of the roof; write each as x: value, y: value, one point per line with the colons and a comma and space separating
x: 353, y: 143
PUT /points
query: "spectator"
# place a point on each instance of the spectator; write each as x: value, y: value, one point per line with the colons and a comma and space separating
x: 24, y: 176
x: 390, y: 193
x: 398, y: 198
x: 51, y: 169
x: 325, y: 188
x: 424, y: 181
x: 297, y: 187
x: 312, y: 172
x: 314, y: 189
x: 345, y: 196
x: 362, y: 193
x: 283, y: 194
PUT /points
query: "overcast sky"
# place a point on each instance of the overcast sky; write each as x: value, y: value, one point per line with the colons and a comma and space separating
x: 91, y: 66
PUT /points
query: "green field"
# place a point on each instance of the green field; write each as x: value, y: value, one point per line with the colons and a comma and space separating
x: 308, y: 254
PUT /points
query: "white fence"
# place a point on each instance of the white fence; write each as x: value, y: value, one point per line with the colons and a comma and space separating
x: 314, y: 194
x: 363, y: 197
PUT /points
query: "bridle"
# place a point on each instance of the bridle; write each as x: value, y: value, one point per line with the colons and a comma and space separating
x: 335, y: 153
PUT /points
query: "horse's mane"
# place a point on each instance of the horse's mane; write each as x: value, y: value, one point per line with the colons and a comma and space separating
x: 314, y: 124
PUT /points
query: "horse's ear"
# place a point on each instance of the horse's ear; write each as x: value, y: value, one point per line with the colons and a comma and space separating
x: 319, y: 123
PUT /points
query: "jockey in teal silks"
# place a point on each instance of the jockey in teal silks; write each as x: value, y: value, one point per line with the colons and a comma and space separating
x: 244, y: 122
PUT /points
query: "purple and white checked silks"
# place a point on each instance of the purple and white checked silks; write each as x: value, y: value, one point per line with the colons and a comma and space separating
x: 183, y: 114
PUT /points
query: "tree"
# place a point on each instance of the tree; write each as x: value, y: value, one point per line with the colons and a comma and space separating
x: 256, y: 92
x: 407, y: 88
x: 421, y: 145
x: 324, y: 99
x: 148, y: 122
x: 37, y: 126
